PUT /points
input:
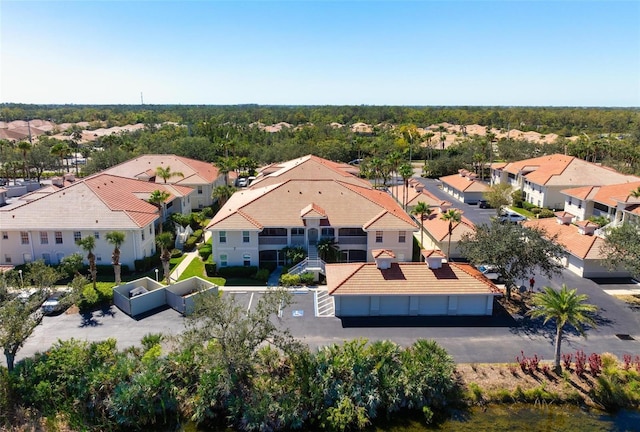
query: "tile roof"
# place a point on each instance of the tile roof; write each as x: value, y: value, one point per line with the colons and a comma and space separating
x: 439, y: 229
x: 559, y: 170
x: 344, y: 204
x: 406, y: 279
x: 195, y: 172
x: 610, y: 195
x: 377, y: 253
x: 465, y: 183
x: 580, y: 245
x: 100, y: 201
x: 308, y: 168
x: 416, y: 196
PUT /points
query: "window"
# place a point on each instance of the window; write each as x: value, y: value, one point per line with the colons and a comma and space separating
x: 328, y: 232
x: 223, y: 260
x: 351, y: 232
x: 98, y: 257
x: 142, y: 231
x: 58, y: 235
x: 5, y: 235
x: 199, y: 190
x: 44, y: 237
x: 245, y: 236
x: 150, y: 229
x: 601, y: 207
x: 279, y: 232
x: 77, y: 235
x: 223, y: 236
x: 24, y: 237
x: 96, y: 235
x: 570, y: 201
x: 402, y: 237
x: 378, y: 236
x: 246, y: 260
x: 170, y: 205
x: 7, y: 259
x: 297, y: 231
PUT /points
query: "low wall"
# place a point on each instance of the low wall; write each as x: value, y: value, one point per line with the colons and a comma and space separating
x: 127, y: 298
x: 181, y: 296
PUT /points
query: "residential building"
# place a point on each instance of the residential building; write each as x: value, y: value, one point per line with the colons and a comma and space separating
x: 436, y: 232
x: 583, y: 246
x: 202, y: 177
x: 48, y: 226
x: 389, y: 288
x: 543, y: 179
x: 302, y: 203
x: 464, y: 186
x: 615, y: 202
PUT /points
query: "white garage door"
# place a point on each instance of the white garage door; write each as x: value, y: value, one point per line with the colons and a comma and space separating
x: 394, y: 305
x: 472, y: 305
x: 354, y: 305
x: 433, y: 305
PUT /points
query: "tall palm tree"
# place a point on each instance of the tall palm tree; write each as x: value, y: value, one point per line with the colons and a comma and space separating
x: 165, y: 242
x: 452, y: 216
x: 406, y: 171
x: 223, y: 193
x: 116, y: 238
x: 88, y: 244
x: 158, y: 198
x: 166, y: 173
x: 61, y: 150
x: 422, y: 210
x: 24, y: 147
x: 635, y: 193
x: 565, y: 307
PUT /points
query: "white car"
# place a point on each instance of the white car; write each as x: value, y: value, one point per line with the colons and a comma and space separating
x: 511, y: 217
x: 53, y: 303
x: 489, y: 271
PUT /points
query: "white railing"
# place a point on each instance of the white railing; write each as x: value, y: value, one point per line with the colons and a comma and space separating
x: 306, y: 265
x: 602, y: 232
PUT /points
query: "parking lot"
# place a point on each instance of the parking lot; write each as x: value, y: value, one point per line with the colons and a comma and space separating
x: 499, y: 338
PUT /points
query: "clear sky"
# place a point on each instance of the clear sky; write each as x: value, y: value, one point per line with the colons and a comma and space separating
x: 421, y: 52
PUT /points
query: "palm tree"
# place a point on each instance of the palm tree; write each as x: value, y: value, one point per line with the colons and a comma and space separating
x: 635, y: 193
x: 422, y: 210
x: 165, y: 242
x: 89, y: 244
x: 223, y: 193
x: 406, y: 171
x: 61, y: 150
x: 452, y: 216
x: 158, y: 198
x: 116, y: 238
x: 565, y: 307
x: 166, y: 173
x: 24, y: 148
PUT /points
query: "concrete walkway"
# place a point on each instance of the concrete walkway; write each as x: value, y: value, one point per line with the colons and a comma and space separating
x: 188, y: 257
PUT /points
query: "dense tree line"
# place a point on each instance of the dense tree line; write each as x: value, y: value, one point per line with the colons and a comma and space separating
x: 564, y: 120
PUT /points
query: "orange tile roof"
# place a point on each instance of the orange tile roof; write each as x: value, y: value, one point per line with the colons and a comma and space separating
x: 439, y: 229
x: 414, y: 196
x: 343, y: 203
x: 426, y: 253
x: 377, y: 253
x: 308, y: 168
x: 195, y: 172
x: 407, y: 279
x: 464, y: 184
x: 558, y: 170
x: 580, y: 245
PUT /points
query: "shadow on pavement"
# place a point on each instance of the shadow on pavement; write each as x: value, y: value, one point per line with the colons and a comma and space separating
x: 87, y: 320
x: 500, y: 318
x: 151, y: 312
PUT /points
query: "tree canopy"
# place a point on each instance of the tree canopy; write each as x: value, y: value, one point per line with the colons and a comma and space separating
x: 622, y: 248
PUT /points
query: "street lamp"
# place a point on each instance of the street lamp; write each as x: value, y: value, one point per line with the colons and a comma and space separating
x: 156, y: 275
x: 21, y: 280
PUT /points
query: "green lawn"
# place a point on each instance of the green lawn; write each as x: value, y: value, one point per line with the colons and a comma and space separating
x: 196, y: 268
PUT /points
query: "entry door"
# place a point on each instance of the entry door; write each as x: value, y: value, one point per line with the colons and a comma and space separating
x: 313, y: 236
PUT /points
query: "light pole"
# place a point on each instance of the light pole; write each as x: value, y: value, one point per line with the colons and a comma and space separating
x: 21, y: 280
x: 156, y: 275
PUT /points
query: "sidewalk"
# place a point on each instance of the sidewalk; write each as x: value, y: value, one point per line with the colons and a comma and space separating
x: 188, y: 257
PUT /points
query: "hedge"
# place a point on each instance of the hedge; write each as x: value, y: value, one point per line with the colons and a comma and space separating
x: 237, y: 271
x: 147, y: 263
x: 210, y: 268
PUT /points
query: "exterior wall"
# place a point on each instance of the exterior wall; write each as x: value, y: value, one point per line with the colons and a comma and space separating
x: 404, y: 305
x: 132, y: 249
x: 544, y: 196
x: 201, y: 196
x: 577, y: 207
x: 234, y: 248
x: 596, y: 269
x: 390, y: 241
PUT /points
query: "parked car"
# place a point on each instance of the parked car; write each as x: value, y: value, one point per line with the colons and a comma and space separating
x: 242, y: 182
x: 489, y: 271
x: 511, y: 217
x: 483, y: 204
x: 54, y: 303
x: 25, y: 295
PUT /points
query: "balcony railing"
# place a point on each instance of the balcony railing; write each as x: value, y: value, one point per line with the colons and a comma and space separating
x: 272, y: 240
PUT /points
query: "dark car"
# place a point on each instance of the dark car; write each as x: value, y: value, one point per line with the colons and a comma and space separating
x: 484, y: 204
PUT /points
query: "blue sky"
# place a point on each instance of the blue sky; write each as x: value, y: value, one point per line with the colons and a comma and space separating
x: 555, y: 53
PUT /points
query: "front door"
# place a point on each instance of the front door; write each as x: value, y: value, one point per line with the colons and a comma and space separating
x: 313, y: 236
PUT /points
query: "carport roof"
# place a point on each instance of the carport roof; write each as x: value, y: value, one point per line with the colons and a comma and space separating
x: 407, y: 279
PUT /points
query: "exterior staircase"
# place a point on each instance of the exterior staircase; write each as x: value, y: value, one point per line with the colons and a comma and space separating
x: 311, y: 263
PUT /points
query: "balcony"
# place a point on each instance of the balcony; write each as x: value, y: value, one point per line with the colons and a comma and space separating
x: 352, y: 240
x: 272, y: 240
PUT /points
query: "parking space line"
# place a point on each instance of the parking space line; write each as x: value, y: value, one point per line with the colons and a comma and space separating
x: 250, y: 300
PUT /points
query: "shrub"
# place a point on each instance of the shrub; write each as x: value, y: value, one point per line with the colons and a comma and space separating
x: 210, y: 269
x: 262, y: 275
x: 147, y: 263
x: 237, y: 271
x: 176, y: 253
x: 517, y: 198
x: 545, y: 213
x: 289, y: 280
x: 595, y: 364
x: 190, y: 244
x: 307, y: 278
x: 205, y: 251
x: 197, y: 234
x: 581, y: 359
x: 271, y: 266
x: 536, y: 210
x: 566, y: 360
x: 475, y: 393
x: 528, y: 206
